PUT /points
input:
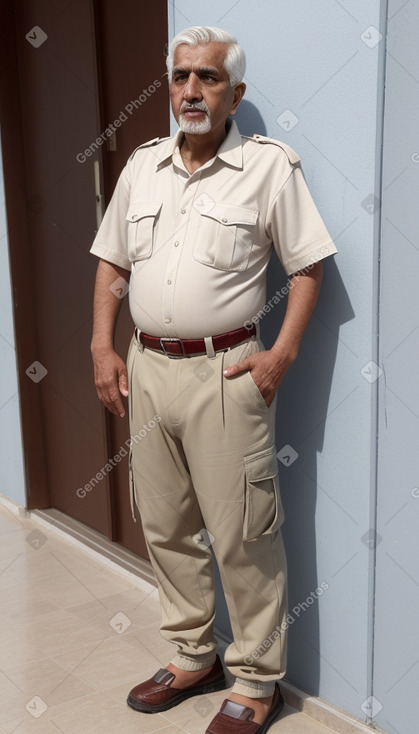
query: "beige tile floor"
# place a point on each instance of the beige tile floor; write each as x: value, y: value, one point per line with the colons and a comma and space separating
x: 75, y: 636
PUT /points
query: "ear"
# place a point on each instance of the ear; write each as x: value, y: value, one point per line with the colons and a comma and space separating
x: 239, y: 91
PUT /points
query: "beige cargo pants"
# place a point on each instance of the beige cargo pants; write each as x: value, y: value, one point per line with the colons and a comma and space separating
x: 204, y: 471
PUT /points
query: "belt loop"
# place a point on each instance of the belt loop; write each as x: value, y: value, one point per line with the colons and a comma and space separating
x: 209, y: 347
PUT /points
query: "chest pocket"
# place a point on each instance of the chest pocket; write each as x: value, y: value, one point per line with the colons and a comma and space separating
x: 141, y: 228
x: 226, y: 234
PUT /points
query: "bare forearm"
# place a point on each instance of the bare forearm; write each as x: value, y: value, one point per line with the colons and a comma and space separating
x: 302, y: 298
x: 106, y: 305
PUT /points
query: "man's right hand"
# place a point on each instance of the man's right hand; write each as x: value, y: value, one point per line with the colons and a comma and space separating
x: 111, y: 377
x: 111, y: 380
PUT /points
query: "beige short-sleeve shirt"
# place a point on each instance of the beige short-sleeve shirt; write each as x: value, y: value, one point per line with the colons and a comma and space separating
x: 198, y: 245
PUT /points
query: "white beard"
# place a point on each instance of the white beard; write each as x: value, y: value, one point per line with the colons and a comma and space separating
x: 194, y: 128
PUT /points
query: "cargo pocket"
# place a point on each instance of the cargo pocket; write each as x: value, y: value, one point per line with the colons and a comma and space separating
x: 225, y: 237
x: 263, y: 512
x: 141, y: 220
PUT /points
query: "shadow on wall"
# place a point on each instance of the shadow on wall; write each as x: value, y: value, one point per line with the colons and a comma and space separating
x: 249, y: 120
x: 302, y: 409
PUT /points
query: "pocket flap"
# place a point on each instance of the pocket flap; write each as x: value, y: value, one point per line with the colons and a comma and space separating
x: 262, y: 465
x: 231, y: 214
x: 139, y: 209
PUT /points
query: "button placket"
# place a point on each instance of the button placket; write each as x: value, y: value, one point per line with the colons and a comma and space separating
x: 170, y: 277
x: 168, y: 288
x: 177, y: 245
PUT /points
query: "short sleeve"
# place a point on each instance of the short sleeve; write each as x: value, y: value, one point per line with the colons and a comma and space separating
x: 298, y: 233
x: 110, y: 242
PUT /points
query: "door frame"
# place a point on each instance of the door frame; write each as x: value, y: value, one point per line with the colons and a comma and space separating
x: 21, y: 265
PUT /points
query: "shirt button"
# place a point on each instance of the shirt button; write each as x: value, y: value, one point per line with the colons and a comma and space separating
x: 176, y: 244
x: 167, y: 321
x: 183, y: 211
x: 225, y: 221
x: 169, y: 282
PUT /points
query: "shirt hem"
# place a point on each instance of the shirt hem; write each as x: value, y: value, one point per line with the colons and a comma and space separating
x: 310, y: 257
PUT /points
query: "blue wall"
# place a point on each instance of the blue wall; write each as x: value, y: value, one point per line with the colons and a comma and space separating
x: 11, y: 460
x: 325, y: 62
x: 396, y: 670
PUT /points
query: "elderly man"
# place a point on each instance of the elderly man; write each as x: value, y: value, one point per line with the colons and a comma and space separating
x: 192, y: 224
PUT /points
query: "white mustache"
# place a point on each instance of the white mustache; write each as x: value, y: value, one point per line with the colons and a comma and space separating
x: 201, y: 106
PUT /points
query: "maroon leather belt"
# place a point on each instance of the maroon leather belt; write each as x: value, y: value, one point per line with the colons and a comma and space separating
x: 178, y: 348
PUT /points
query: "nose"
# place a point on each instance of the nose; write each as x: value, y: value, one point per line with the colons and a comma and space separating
x: 192, y: 91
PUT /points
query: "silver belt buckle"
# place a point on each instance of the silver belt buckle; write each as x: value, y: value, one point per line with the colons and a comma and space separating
x: 172, y: 339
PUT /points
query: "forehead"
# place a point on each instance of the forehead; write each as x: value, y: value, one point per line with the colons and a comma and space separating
x: 203, y: 55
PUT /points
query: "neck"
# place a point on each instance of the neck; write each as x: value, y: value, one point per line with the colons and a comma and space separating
x: 198, y: 149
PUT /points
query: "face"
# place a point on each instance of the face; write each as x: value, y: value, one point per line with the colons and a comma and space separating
x: 200, y: 90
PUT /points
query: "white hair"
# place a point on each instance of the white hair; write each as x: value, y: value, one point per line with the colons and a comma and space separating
x: 235, y: 60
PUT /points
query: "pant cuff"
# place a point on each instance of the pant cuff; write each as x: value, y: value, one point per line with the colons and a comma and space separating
x: 198, y: 662
x: 253, y: 688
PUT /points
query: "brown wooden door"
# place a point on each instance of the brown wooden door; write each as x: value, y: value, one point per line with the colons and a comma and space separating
x: 133, y: 38
x: 80, y: 66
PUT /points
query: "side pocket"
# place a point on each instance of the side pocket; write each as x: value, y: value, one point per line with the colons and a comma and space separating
x: 263, y: 511
x: 256, y: 391
x: 131, y: 486
x: 130, y: 366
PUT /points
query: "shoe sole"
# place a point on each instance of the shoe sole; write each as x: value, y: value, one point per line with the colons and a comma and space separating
x: 150, y: 708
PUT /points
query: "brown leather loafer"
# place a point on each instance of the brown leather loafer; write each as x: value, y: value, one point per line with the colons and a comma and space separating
x: 155, y: 694
x: 233, y: 718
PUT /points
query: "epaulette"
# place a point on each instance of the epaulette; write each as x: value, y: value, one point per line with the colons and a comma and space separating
x: 148, y: 144
x: 293, y: 157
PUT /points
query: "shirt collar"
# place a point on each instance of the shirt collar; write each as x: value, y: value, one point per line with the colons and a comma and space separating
x: 230, y: 150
